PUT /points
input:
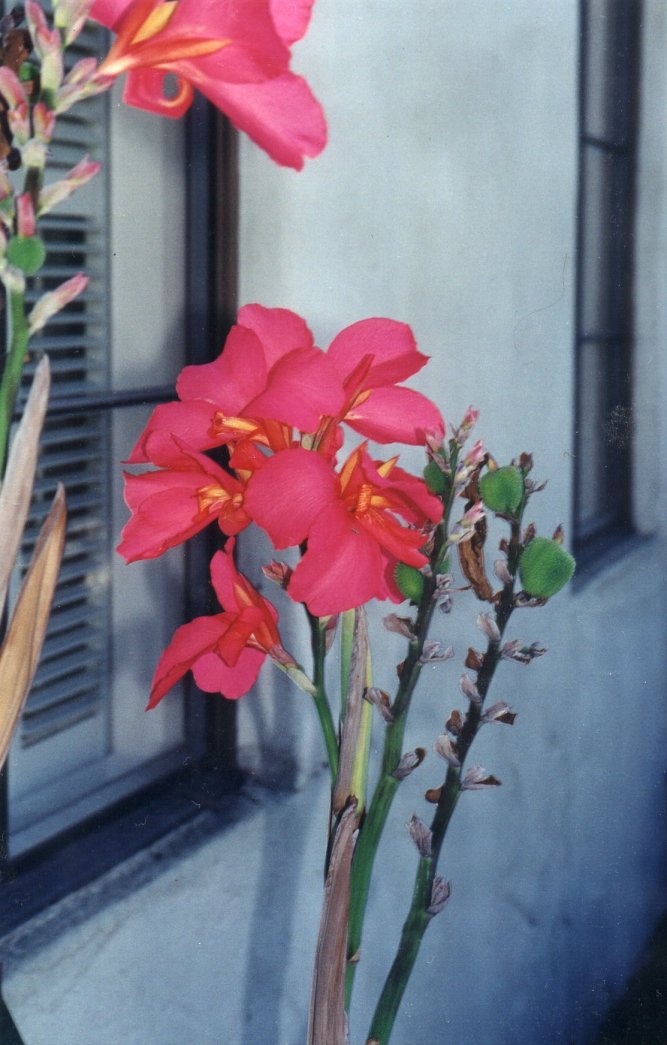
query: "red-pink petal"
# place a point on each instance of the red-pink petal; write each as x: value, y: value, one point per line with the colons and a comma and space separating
x: 107, y: 12
x: 391, y: 343
x: 279, y: 330
x: 233, y: 379
x: 282, y: 115
x: 291, y: 18
x: 189, y: 642
x: 145, y: 89
x: 396, y: 415
x: 343, y: 566
x: 301, y: 388
x: 214, y: 676
x: 188, y: 422
x: 288, y: 493
x: 164, y: 519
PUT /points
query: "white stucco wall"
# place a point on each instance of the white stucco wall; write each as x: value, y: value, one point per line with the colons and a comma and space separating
x: 446, y: 198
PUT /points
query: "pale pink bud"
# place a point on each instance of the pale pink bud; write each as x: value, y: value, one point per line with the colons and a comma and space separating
x: 421, y: 835
x: 82, y: 72
x: 36, y: 20
x: 408, y: 762
x: 475, y: 455
x: 51, y: 303
x: 440, y: 894
x: 445, y: 748
x: 44, y: 121
x: 81, y: 82
x: 25, y: 215
x: 469, y: 419
x: 399, y: 625
x: 33, y: 154
x: 70, y: 16
x: 477, y: 778
x: 501, y: 571
x: 465, y: 527
x: 11, y: 87
x: 487, y: 624
x: 381, y: 700
x: 500, y: 712
x: 469, y: 689
x: 12, y: 278
x: 433, y: 652
x: 278, y: 572
x: 54, y: 194
x: 18, y: 118
x: 516, y: 650
x: 52, y: 69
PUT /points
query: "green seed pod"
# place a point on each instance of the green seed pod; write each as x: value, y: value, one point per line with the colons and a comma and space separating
x: 434, y: 478
x: 26, y: 253
x: 502, y: 489
x: 545, y: 567
x: 410, y: 581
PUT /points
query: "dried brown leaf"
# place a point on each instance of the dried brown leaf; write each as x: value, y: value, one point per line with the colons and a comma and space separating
x: 23, y: 642
x: 327, y: 1021
x: 16, y: 489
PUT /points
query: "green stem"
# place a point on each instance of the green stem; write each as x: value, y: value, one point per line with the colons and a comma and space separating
x: 11, y: 375
x: 413, y: 931
x: 318, y: 646
x: 378, y: 810
x: 418, y: 917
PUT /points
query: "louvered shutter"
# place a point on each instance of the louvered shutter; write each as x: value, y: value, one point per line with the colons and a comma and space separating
x: 81, y: 741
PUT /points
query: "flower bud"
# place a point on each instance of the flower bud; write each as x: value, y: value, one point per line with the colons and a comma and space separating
x: 420, y: 834
x: 399, y: 625
x: 476, y: 778
x: 408, y: 763
x: 55, y: 300
x: 488, y: 625
x: 469, y: 689
x: 440, y: 894
x: 501, y: 571
x: 445, y: 748
x: 500, y: 712
x: 433, y: 652
x: 381, y: 700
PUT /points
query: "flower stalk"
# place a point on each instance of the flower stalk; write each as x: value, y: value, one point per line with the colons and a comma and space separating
x: 418, y: 917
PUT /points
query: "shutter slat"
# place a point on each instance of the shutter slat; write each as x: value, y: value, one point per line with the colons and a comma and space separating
x: 71, y: 681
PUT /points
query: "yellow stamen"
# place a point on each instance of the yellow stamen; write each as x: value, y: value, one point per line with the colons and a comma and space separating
x: 156, y: 21
x: 214, y: 498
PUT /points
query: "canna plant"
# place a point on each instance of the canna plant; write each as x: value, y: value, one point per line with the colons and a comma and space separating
x: 299, y: 426
x: 360, y: 528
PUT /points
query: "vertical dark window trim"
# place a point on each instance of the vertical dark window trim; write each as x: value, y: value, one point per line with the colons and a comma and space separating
x: 212, y: 295
x: 42, y: 876
x: 603, y: 347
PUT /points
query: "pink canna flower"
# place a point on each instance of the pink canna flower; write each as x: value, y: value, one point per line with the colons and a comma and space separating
x: 236, y: 52
x: 225, y: 651
x: 268, y: 379
x: 371, y: 357
x: 351, y: 523
x: 173, y: 504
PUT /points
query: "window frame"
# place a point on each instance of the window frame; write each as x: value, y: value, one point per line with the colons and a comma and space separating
x: 611, y: 530
x: 45, y: 874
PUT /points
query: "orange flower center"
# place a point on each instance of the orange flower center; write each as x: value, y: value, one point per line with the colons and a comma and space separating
x: 214, y: 498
